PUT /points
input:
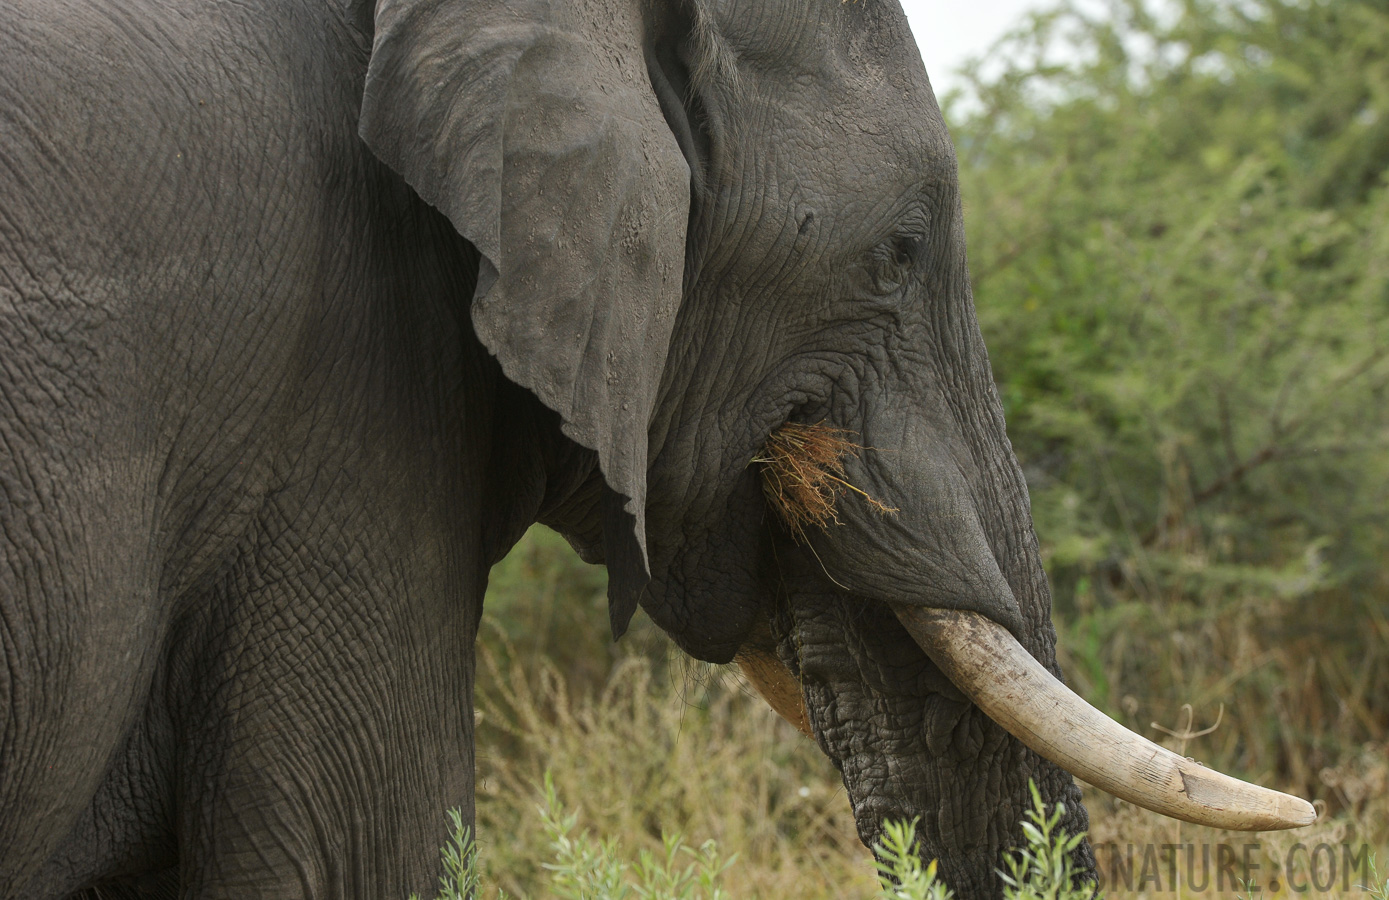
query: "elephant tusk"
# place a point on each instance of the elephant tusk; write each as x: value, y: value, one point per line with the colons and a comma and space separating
x: 988, y: 664
x: 769, y: 676
x: 775, y: 683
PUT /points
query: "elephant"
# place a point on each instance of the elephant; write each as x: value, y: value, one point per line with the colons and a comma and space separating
x: 310, y: 308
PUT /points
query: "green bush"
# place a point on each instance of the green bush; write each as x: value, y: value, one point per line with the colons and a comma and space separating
x: 1182, y: 274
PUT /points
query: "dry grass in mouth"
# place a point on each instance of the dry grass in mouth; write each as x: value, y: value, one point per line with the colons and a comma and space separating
x: 803, y: 475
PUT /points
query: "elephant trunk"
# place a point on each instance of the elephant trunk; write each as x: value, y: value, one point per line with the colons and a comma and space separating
x: 908, y: 744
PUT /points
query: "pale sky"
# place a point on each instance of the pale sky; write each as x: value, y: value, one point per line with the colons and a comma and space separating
x: 949, y: 31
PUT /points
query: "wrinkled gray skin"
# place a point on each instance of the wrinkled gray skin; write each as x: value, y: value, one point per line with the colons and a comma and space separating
x: 267, y: 417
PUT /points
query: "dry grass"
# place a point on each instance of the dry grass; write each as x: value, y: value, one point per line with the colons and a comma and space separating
x: 645, y: 754
x: 1127, y: 838
x: 635, y: 747
x: 1301, y: 700
x: 1278, y: 700
x: 642, y: 755
x: 803, y: 475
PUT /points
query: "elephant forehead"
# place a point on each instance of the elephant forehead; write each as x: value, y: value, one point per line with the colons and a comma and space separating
x: 798, y: 33
x: 836, y: 96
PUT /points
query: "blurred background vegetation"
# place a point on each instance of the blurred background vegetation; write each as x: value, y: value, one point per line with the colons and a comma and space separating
x: 1181, y: 267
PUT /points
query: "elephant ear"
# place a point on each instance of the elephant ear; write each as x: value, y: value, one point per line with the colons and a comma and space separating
x: 533, y: 125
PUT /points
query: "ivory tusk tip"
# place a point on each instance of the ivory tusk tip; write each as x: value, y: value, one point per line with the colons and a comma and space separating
x: 1223, y: 802
x: 1288, y: 812
x: 1302, y: 813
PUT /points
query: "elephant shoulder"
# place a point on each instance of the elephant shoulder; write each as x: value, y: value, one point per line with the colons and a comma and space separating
x: 125, y: 122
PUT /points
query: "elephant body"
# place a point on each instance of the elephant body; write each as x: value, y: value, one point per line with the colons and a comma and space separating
x: 237, y: 360
x: 308, y: 310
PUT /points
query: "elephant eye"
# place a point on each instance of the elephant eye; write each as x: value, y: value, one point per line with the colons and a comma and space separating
x: 894, y: 260
x: 905, y: 249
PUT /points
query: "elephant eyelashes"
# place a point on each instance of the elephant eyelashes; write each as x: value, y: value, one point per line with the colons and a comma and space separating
x: 905, y: 251
x: 894, y: 261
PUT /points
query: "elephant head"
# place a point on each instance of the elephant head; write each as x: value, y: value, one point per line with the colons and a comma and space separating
x: 698, y: 221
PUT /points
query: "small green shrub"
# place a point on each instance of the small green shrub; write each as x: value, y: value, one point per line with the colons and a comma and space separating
x: 1044, y: 868
x: 901, y: 876
x: 585, y: 868
x: 461, y: 879
x: 1378, y: 888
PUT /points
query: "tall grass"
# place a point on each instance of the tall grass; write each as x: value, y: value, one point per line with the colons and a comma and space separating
x: 641, y: 755
x: 640, y: 745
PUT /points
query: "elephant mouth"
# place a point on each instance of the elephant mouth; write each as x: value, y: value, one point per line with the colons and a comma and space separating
x: 990, y: 667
